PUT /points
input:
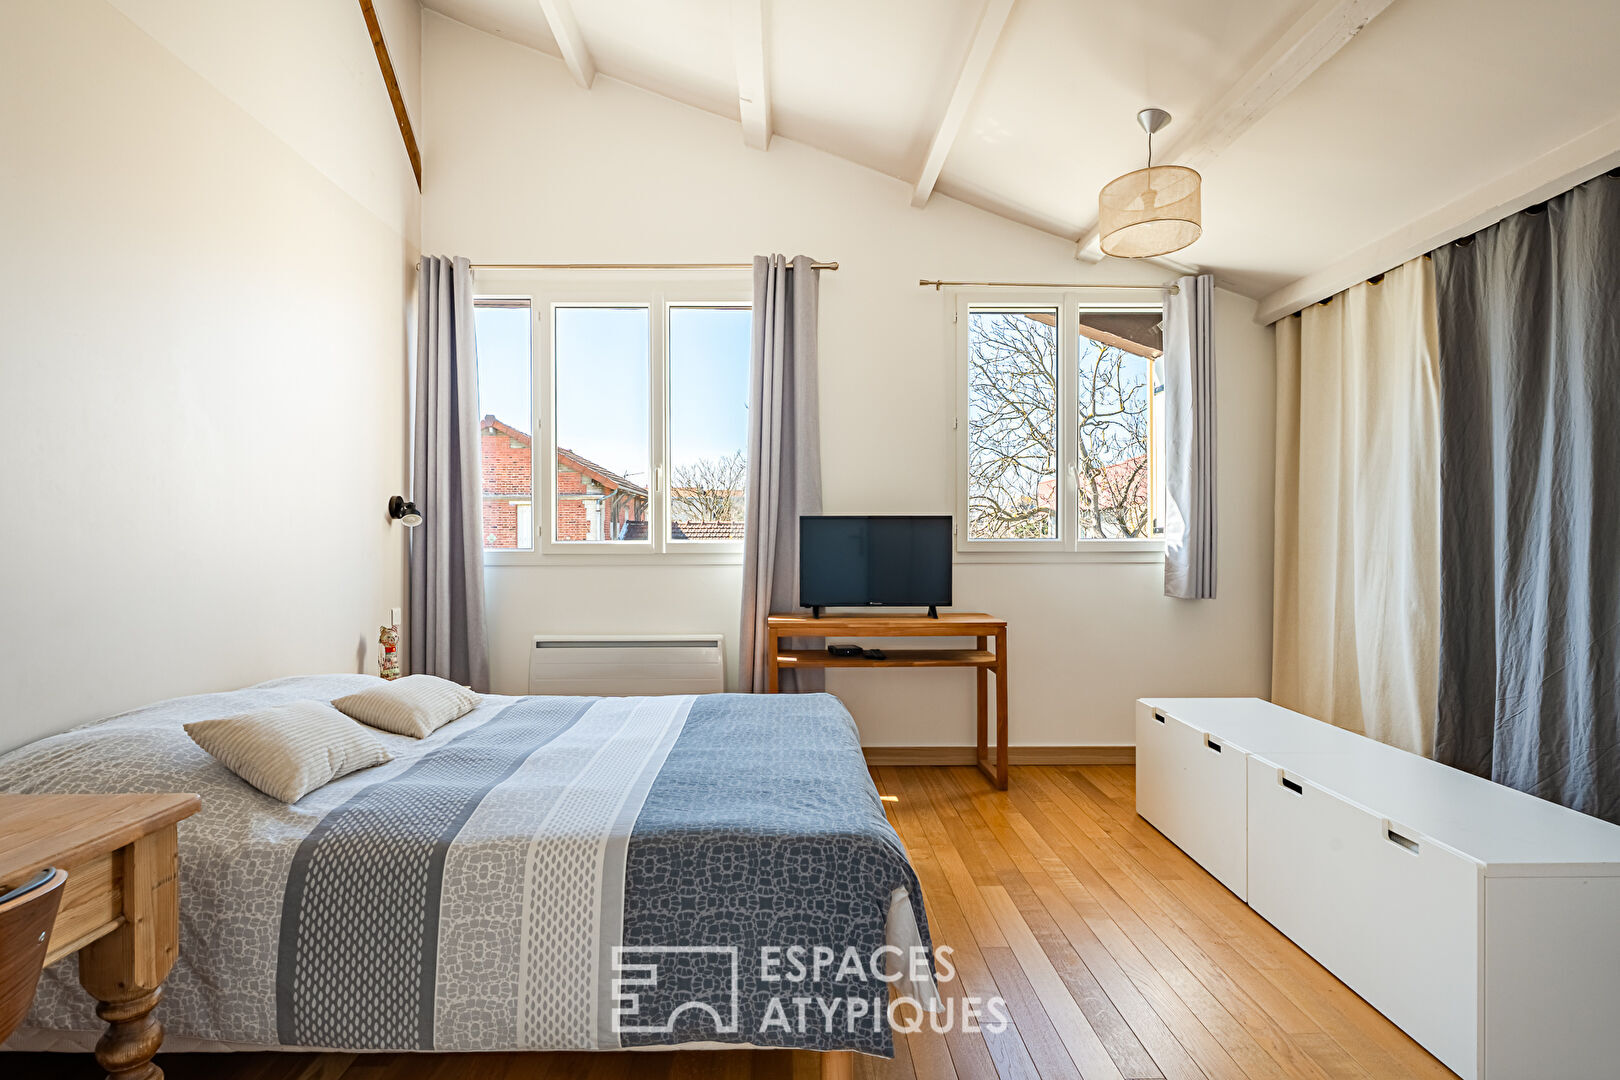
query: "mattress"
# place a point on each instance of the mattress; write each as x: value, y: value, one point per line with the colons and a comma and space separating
x: 545, y: 873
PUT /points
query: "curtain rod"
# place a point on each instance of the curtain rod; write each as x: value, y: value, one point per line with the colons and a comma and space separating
x: 938, y: 285
x: 1378, y: 279
x: 635, y: 266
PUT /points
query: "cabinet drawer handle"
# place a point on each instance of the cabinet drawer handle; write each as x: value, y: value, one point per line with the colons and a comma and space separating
x: 1290, y: 785
x: 1212, y: 744
x: 1404, y: 841
x: 1159, y: 716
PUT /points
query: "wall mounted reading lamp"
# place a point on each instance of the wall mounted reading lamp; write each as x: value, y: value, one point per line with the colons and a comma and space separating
x: 402, y: 509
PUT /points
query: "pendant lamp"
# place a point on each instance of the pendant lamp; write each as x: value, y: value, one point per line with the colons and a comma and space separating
x: 1151, y: 211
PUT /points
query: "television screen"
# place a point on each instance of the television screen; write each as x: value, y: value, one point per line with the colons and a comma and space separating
x: 874, y: 561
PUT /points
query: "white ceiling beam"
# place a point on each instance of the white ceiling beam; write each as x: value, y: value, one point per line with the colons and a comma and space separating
x: 560, y: 18
x: 1173, y: 264
x: 991, y: 22
x: 753, y: 87
x: 1553, y: 173
x: 1307, y: 44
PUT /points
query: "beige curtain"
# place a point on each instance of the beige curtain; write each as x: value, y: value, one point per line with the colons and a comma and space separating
x: 1355, y: 635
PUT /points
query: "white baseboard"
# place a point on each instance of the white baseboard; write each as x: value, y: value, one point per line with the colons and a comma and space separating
x: 1017, y: 755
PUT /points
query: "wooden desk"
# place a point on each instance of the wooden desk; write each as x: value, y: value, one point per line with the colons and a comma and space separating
x: 120, y: 905
x: 948, y: 624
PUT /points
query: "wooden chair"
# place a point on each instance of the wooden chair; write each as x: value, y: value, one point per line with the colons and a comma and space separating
x: 27, y: 914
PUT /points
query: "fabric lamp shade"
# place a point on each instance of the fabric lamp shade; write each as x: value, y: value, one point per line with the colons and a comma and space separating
x: 1149, y: 212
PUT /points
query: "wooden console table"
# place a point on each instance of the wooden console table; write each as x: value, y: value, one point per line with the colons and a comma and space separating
x: 120, y: 904
x: 949, y: 624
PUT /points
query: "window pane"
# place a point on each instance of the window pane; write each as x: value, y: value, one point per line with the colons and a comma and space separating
x: 1012, y: 425
x: 1115, y: 468
x: 708, y: 421
x: 601, y: 400
x: 505, y: 400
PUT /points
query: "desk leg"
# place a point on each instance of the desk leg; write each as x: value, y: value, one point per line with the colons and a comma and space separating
x: 983, y: 678
x: 1001, y: 710
x: 124, y: 971
x: 773, y: 674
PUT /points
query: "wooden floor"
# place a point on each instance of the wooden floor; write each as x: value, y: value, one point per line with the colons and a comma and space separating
x: 1117, y: 955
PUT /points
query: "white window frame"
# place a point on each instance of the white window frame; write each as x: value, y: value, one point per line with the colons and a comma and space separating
x: 546, y: 291
x: 1067, y: 546
x: 517, y: 554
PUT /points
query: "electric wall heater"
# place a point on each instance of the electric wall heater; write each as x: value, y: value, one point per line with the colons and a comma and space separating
x: 623, y: 665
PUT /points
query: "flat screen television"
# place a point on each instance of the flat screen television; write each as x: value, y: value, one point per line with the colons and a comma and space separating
x: 875, y: 561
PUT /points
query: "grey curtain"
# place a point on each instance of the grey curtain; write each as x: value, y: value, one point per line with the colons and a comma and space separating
x: 1189, y: 439
x: 1529, y: 317
x: 447, y: 630
x: 784, y: 458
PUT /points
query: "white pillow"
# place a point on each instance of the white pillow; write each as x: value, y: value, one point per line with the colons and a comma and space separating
x: 416, y: 705
x: 290, y: 750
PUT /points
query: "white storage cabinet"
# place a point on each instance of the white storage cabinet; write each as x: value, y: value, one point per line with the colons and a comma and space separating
x: 1192, y: 772
x: 1191, y: 786
x: 1482, y: 921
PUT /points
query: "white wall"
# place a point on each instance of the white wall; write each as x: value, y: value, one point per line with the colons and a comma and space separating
x: 203, y: 356
x: 306, y: 70
x: 521, y: 165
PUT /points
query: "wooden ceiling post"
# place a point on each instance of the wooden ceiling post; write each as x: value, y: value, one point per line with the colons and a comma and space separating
x: 391, y: 81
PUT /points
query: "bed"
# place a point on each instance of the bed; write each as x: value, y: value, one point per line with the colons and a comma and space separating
x: 545, y: 873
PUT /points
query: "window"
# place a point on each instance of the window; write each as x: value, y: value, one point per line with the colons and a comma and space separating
x: 709, y: 350
x: 1117, y: 424
x: 506, y: 404
x: 603, y: 465
x: 640, y: 393
x: 1059, y: 426
x: 1012, y: 424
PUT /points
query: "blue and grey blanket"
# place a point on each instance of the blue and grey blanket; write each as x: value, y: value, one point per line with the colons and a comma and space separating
x: 545, y: 873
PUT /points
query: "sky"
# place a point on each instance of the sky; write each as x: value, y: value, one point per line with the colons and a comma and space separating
x: 603, y: 381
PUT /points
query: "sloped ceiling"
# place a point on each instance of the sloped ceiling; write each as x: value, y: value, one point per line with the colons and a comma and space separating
x: 1392, y: 131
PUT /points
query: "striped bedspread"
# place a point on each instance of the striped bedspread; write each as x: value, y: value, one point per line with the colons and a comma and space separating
x: 545, y: 873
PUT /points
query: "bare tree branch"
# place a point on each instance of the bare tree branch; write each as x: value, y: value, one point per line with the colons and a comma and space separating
x: 1013, y: 426
x: 709, y: 489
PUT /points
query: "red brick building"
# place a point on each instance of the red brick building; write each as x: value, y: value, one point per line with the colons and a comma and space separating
x: 593, y: 503
x: 507, y: 484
